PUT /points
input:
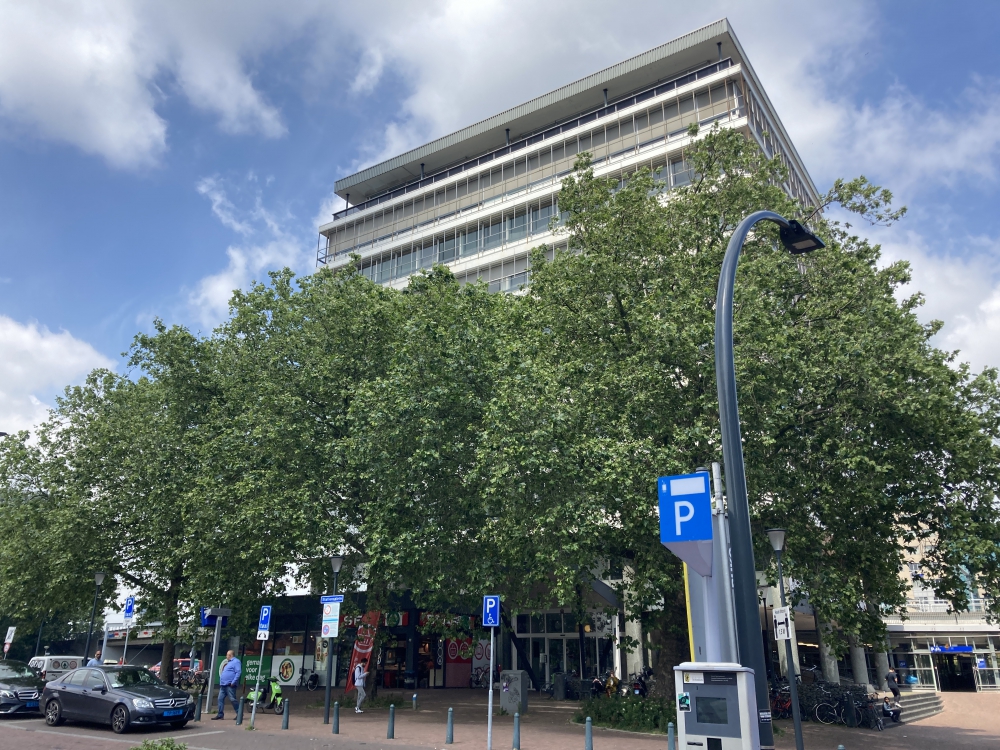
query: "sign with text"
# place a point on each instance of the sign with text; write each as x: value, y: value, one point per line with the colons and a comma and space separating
x: 129, y: 608
x: 10, y: 634
x: 331, y: 615
x: 782, y: 623
x: 491, y: 611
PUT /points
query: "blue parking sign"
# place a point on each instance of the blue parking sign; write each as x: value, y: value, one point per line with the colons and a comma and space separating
x: 685, y: 508
x: 129, y: 607
x: 491, y: 611
x: 686, y: 519
x: 265, y: 618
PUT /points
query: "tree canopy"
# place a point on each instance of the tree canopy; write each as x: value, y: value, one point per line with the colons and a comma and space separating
x: 451, y: 441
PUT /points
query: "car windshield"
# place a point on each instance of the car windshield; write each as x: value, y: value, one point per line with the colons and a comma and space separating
x: 9, y: 669
x: 130, y: 677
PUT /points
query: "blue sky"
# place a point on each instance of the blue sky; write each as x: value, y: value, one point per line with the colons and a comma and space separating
x: 155, y: 156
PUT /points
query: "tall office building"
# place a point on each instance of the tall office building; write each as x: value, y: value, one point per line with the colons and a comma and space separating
x: 479, y: 199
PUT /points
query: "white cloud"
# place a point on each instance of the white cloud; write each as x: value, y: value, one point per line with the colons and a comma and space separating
x: 91, y: 74
x: 268, y: 245
x: 33, y: 361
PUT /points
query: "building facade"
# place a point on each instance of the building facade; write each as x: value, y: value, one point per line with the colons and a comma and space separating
x: 479, y: 199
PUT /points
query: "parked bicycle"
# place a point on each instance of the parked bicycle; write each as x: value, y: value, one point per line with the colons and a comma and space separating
x: 308, y: 680
x: 480, y: 678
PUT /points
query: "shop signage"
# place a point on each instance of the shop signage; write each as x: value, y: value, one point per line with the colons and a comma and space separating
x: 445, y: 620
x: 331, y: 615
x: 951, y: 649
x: 782, y: 623
x: 364, y: 643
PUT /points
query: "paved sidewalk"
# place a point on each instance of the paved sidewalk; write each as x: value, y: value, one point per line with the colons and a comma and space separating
x: 970, y: 720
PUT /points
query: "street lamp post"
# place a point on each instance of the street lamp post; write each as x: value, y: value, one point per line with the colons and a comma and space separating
x: 336, y: 562
x: 777, y: 538
x: 796, y: 240
x: 98, y: 579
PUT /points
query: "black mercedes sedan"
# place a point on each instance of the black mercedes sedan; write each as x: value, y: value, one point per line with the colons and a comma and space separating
x: 120, y: 696
x: 20, y: 688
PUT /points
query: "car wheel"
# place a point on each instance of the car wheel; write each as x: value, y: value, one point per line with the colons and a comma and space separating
x: 53, y: 713
x: 120, y: 719
x: 178, y: 724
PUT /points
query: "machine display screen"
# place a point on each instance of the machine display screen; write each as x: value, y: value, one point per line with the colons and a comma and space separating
x: 711, y: 710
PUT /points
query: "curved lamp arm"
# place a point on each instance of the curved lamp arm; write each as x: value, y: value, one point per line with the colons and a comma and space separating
x: 796, y: 240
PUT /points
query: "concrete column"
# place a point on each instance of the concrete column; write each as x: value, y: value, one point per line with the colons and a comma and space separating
x: 882, y: 669
x: 827, y: 657
x: 634, y: 658
x: 858, y: 664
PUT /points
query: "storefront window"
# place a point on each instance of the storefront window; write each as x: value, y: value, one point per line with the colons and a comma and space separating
x: 553, y: 622
x: 523, y: 624
x: 289, y: 644
x: 538, y: 623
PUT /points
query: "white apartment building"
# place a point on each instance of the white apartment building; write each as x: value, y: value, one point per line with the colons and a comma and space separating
x: 477, y: 200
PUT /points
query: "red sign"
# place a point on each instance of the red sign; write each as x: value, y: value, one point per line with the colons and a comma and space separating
x: 458, y: 651
x: 363, y: 646
x: 6, y: 647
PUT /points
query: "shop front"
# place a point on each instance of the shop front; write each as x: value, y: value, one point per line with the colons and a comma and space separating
x: 958, y: 662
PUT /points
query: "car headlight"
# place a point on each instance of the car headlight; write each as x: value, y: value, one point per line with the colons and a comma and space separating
x: 142, y: 703
x: 6, y: 694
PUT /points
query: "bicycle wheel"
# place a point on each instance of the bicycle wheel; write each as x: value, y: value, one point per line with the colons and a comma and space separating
x: 826, y: 713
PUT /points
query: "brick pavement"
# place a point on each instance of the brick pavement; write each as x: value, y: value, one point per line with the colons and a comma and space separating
x: 970, y: 720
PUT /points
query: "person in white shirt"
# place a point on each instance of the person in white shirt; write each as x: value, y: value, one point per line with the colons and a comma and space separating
x: 359, y: 683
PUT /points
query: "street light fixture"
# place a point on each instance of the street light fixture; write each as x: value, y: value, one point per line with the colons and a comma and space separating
x: 796, y: 239
x: 336, y: 563
x: 777, y: 538
x: 98, y: 579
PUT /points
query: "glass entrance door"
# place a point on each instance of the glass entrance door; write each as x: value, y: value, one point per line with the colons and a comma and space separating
x: 537, y: 665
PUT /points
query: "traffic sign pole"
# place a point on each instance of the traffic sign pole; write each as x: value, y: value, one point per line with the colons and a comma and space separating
x: 491, y: 619
x: 489, y: 731
x: 263, y: 626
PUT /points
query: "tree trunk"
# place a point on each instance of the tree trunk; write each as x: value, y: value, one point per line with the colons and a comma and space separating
x: 167, y: 660
x: 170, y: 626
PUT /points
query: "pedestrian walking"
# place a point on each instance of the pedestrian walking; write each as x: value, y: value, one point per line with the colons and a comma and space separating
x: 228, y: 680
x: 359, y: 684
x: 96, y: 661
x: 890, y: 680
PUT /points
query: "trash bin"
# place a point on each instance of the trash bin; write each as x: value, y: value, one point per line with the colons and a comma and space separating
x: 559, y: 686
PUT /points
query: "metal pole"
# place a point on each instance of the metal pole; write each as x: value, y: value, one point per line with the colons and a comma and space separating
x: 256, y: 690
x: 215, y: 658
x: 336, y: 717
x: 38, y: 643
x: 792, y: 677
x: 449, y: 734
x: 748, y: 632
x: 489, y: 720
x: 125, y: 651
x: 516, y: 742
x: 391, y: 733
x: 104, y: 643
x: 588, y: 735
x: 90, y: 632
x: 329, y: 664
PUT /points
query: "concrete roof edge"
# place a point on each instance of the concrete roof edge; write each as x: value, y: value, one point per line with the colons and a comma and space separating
x: 665, y: 50
x: 748, y: 68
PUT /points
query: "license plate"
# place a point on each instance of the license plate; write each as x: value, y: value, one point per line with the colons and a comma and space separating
x: 31, y: 704
x: 174, y: 712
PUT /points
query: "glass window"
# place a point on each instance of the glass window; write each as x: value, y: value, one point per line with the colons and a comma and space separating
x: 585, y: 142
x: 626, y: 128
x: 572, y: 147
x: 597, y: 138
x: 448, y: 251
x: 558, y: 152
x: 686, y: 105
x: 670, y: 110
x: 520, y: 167
x: 523, y: 624
x: 702, y: 99
x: 538, y: 623
x: 130, y: 677
x: 508, y: 171
x: 612, y: 132
x: 641, y: 121
x: 428, y: 255
x: 679, y: 173
x: 76, y: 678
x: 555, y: 655
x: 655, y: 116
x: 94, y: 680
x: 496, y: 176
x: 569, y: 622
x: 492, y: 234
x: 718, y: 93
x: 470, y: 242
x: 544, y: 157
x: 517, y: 226
x: 553, y: 622
x: 533, y: 162
x: 450, y: 193
x: 15, y: 669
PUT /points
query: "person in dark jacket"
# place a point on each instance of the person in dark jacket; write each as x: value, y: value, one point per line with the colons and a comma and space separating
x: 890, y: 680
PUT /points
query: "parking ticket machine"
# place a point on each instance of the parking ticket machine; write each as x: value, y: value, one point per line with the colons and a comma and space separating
x: 716, y: 707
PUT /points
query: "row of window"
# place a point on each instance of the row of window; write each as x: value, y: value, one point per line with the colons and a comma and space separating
x: 511, y: 225
x: 651, y: 127
x: 563, y: 127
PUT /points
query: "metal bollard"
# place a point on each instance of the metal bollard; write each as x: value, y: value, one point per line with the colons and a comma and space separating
x: 414, y: 701
x: 588, y: 737
x: 336, y: 717
x: 284, y: 713
x: 391, y: 734
x: 516, y: 744
x: 671, y: 741
x: 197, y: 709
x: 449, y: 735
x: 239, y: 713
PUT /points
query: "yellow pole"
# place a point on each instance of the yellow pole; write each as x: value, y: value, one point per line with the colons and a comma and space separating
x: 687, y: 606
